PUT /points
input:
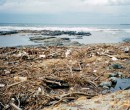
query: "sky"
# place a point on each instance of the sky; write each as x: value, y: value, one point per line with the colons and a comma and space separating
x: 65, y: 11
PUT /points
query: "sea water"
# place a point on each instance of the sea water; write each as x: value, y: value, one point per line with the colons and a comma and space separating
x: 101, y: 33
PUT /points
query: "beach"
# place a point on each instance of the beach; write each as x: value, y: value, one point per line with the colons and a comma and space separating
x: 61, y: 77
x: 65, y: 67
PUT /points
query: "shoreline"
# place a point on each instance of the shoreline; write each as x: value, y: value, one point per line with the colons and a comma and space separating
x: 59, y: 38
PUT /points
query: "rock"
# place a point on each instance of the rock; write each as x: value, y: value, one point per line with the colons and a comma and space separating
x: 116, y: 66
x: 52, y: 33
x: 127, y: 88
x: 113, y: 75
x: 1, y: 106
x: 105, y: 87
x: 120, y: 74
x: 74, y: 43
x: 79, y: 37
x: 84, y: 33
x: 113, y: 80
x: 70, y: 33
x: 108, y: 84
x: 116, y: 74
x: 8, y: 32
x: 57, y: 40
x: 126, y: 40
x: 126, y: 50
x: 40, y: 38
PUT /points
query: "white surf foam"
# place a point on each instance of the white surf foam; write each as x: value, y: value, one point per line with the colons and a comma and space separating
x: 84, y: 29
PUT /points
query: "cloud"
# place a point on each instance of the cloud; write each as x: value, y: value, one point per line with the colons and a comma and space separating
x: 59, y: 6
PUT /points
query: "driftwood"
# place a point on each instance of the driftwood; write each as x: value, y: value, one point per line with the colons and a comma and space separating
x: 15, y: 106
x: 55, y: 84
x: 8, y: 86
x: 69, y: 96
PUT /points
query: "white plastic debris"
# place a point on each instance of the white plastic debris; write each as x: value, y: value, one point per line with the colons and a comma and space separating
x: 19, y: 78
x: 39, y: 91
x: 20, y: 54
x: 114, y: 59
x: 42, y: 56
x: 2, y: 85
x: 94, y: 71
x: 126, y: 49
x: 7, y: 72
x: 67, y: 53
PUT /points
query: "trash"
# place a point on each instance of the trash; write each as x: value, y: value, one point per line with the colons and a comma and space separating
x: 68, y: 52
x: 114, y: 59
x: 7, y: 72
x: 19, y: 78
x: 65, y: 74
x: 42, y: 56
x: 2, y: 85
x: 126, y: 50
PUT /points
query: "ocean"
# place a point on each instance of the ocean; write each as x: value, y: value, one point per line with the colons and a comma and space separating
x: 101, y: 33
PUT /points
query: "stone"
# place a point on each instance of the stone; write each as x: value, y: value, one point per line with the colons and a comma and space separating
x: 40, y: 38
x: 113, y: 75
x: 108, y: 84
x: 113, y: 80
x: 116, y: 66
x: 116, y: 74
x: 8, y: 32
x: 126, y: 50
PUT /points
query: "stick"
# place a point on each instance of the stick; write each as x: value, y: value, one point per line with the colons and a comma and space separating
x: 8, y: 86
x: 53, y: 82
x: 76, y: 93
x: 15, y: 106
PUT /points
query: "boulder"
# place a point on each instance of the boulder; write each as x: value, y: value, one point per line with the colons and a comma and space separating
x: 8, y: 32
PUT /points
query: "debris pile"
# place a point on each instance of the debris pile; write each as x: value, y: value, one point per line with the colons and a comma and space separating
x: 36, y: 77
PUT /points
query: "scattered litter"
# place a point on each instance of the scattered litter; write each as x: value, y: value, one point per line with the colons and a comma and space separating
x: 19, y: 78
x: 64, y: 75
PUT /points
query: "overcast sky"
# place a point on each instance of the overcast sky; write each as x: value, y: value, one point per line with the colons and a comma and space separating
x: 65, y: 11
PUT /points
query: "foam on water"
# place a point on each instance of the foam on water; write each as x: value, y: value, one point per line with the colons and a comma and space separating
x: 85, y: 29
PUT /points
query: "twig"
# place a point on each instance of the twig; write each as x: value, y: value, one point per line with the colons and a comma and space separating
x: 8, y: 86
x: 15, y: 106
x: 61, y: 100
x: 92, y: 83
x: 76, y: 93
x: 53, y: 82
x: 97, y: 77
